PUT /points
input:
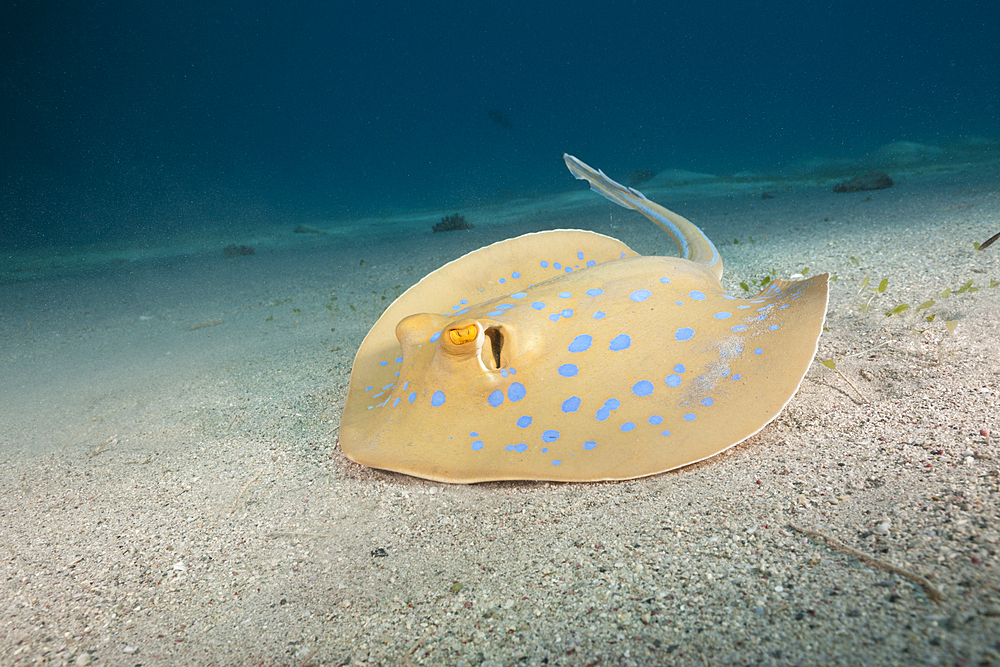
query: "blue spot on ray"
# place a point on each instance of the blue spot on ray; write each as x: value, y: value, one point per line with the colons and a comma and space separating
x: 568, y: 370
x: 640, y: 295
x: 642, y: 388
x: 571, y: 404
x: 620, y: 342
x: 516, y: 391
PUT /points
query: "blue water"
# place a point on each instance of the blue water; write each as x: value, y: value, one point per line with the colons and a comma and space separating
x: 131, y: 121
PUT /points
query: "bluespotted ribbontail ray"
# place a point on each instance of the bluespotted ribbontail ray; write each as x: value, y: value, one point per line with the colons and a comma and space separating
x: 564, y: 355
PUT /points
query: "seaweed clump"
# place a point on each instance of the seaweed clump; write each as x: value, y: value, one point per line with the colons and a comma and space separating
x: 234, y: 250
x: 873, y: 180
x: 451, y: 223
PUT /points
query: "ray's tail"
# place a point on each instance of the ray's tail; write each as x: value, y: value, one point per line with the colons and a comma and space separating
x: 691, y: 241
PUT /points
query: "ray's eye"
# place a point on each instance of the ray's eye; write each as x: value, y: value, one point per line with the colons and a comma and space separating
x: 465, y: 335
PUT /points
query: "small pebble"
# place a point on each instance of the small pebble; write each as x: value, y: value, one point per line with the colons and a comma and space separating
x: 883, y: 527
x: 82, y: 660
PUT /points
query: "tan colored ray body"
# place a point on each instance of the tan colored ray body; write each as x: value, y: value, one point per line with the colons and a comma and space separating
x: 564, y: 355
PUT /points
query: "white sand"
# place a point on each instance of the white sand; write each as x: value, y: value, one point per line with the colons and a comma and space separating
x: 176, y: 496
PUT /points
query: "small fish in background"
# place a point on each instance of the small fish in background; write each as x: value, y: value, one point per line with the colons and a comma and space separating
x: 641, y: 176
x: 499, y: 118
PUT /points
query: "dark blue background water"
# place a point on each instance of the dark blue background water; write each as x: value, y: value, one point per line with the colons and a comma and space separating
x: 137, y: 119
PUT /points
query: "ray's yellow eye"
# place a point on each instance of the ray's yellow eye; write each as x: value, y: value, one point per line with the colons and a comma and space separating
x: 463, y: 336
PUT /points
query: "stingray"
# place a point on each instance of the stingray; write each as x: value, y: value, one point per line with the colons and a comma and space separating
x: 565, y: 355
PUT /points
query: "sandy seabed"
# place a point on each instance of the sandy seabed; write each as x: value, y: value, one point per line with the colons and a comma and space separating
x: 172, y: 492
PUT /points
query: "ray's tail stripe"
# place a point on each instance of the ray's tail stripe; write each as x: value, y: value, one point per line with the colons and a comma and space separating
x: 690, y: 240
